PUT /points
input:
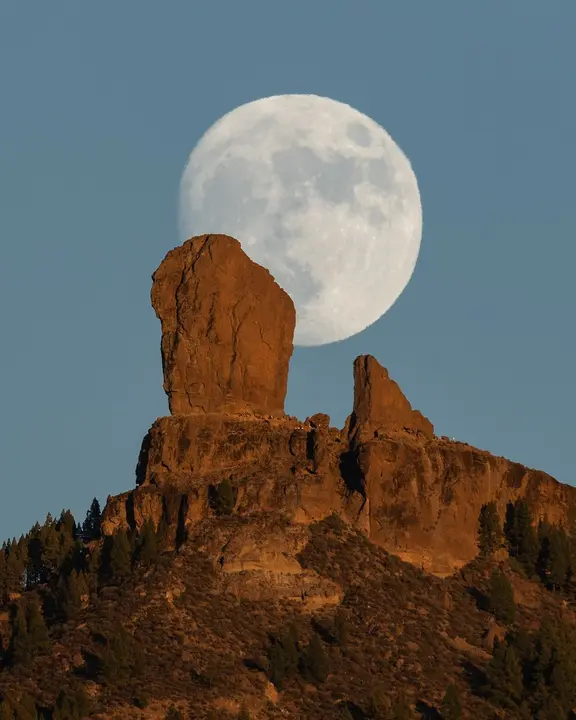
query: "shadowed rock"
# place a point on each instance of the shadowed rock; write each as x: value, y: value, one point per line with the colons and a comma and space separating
x: 227, y: 330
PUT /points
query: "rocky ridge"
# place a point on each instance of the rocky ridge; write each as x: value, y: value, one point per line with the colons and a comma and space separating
x: 227, y: 333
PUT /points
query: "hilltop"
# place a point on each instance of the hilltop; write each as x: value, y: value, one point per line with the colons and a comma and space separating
x: 265, y: 566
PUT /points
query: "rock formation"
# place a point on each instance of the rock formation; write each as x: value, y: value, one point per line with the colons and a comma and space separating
x: 379, y: 404
x: 227, y: 330
x: 226, y: 343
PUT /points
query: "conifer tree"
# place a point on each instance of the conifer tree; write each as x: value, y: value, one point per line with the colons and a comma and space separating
x: 34, y: 570
x: 93, y: 521
x: 501, y: 598
x: 67, y: 524
x: 489, y: 530
x: 120, y: 555
x: 277, y: 665
x: 16, y: 562
x: 51, y: 550
x: 315, y: 660
x: 93, y: 567
x: 504, y: 676
x: 118, y: 656
x: 72, y: 704
x: 283, y: 657
x: 451, y: 707
x: 37, y: 630
x: 558, y: 558
x: 148, y: 545
x: 29, y: 632
x: 521, y: 536
x: 20, y: 641
x: 289, y: 642
x: 74, y: 588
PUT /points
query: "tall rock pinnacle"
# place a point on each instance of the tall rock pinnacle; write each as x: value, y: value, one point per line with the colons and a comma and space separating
x: 227, y: 330
x: 379, y: 404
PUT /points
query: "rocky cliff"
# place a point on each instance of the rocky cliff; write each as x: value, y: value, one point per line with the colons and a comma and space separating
x: 226, y: 343
x: 227, y: 329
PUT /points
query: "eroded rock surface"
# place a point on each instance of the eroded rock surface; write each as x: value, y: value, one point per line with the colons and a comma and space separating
x: 380, y: 405
x: 225, y: 365
x: 227, y: 329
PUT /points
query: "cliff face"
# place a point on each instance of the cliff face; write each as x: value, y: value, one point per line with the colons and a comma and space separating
x: 225, y: 368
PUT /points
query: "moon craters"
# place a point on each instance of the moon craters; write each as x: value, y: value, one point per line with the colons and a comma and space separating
x: 320, y: 195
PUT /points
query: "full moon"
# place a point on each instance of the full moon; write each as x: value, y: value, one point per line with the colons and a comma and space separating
x: 320, y: 195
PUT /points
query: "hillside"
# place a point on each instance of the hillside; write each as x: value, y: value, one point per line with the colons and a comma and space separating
x: 265, y: 566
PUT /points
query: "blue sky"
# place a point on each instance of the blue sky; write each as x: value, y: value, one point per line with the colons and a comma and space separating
x: 101, y: 104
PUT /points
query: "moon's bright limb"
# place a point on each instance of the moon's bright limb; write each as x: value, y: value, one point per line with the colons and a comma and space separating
x: 319, y: 194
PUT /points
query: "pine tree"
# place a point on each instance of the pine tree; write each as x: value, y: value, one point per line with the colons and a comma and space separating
x: 501, y: 598
x: 67, y: 524
x: 93, y: 567
x: 558, y: 560
x: 34, y: 570
x: 315, y: 661
x: 93, y: 521
x: 16, y: 562
x: 283, y: 657
x: 37, y: 630
x: 118, y: 655
x: 451, y: 707
x: 20, y: 641
x: 29, y: 632
x: 504, y: 676
x: 277, y: 665
x: 489, y: 530
x: 72, y: 704
x: 521, y: 536
x: 148, y: 545
x: 74, y: 589
x: 120, y: 555
x: 51, y: 550
x: 289, y: 642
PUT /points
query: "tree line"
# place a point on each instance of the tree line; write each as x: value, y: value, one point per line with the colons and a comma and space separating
x: 541, y: 551
x: 532, y: 674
